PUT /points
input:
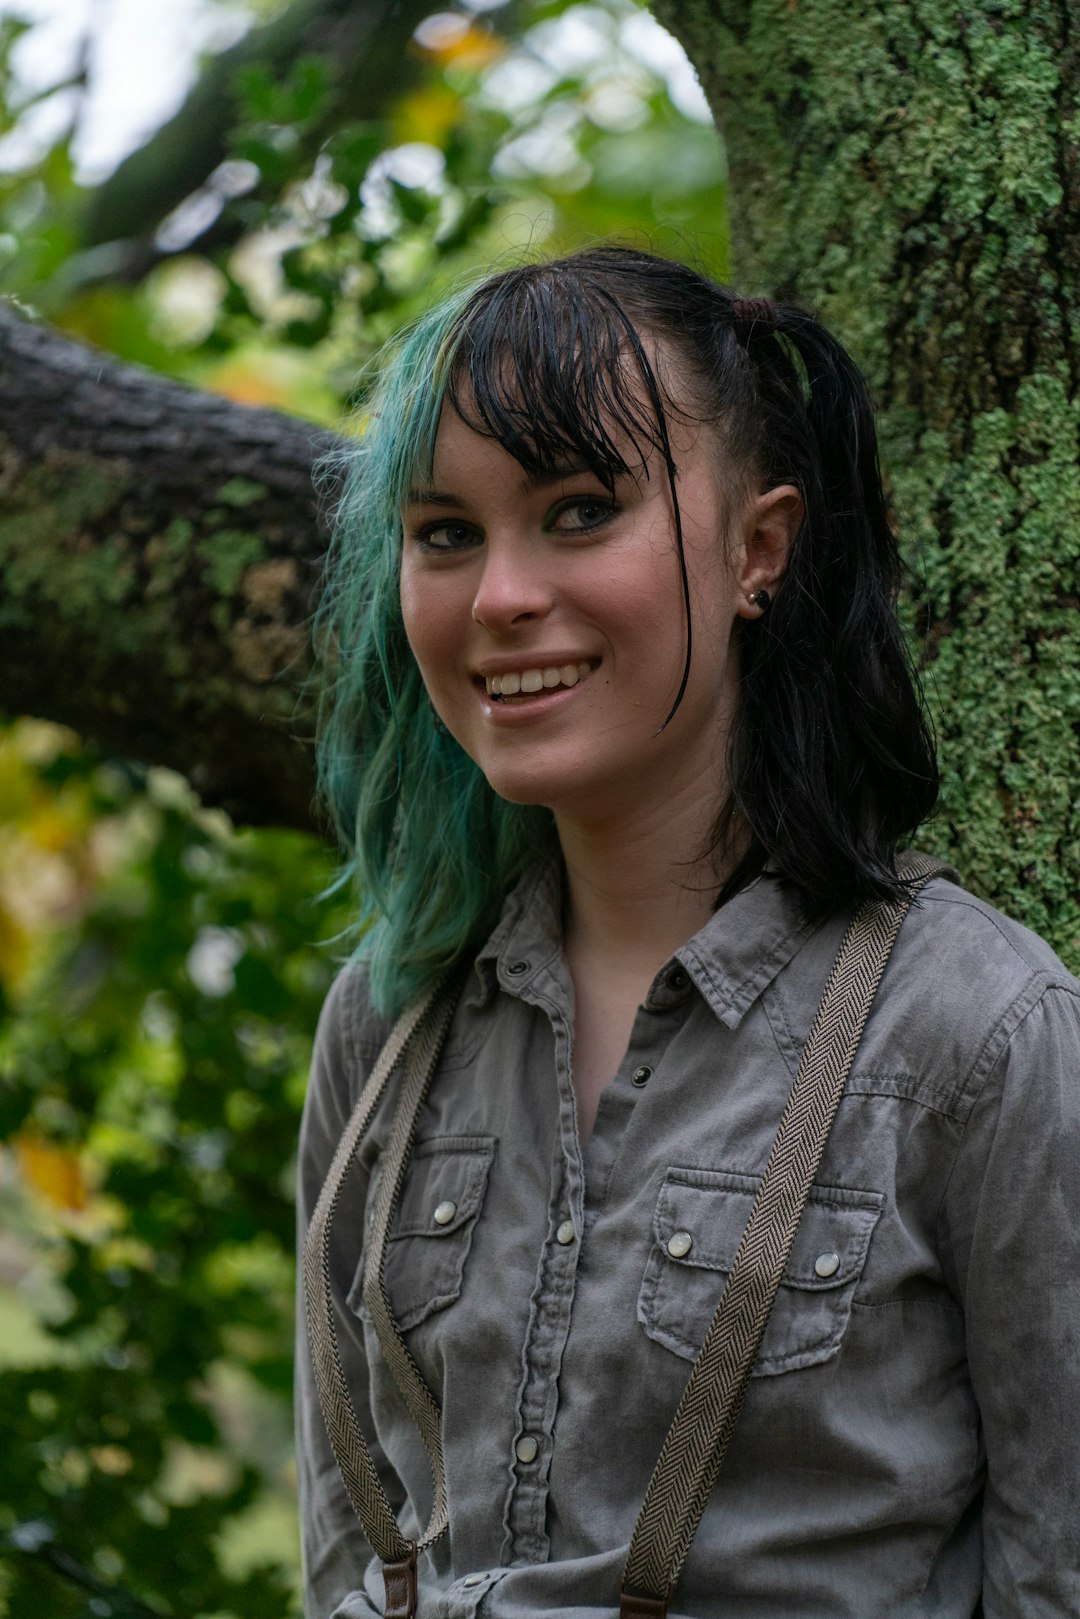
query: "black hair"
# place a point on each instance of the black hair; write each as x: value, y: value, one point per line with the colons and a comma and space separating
x: 831, y: 764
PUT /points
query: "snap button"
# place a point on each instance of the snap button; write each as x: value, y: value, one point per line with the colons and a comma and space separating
x: 526, y: 1449
x: 474, y: 1579
x: 678, y: 978
x: 827, y: 1264
x: 444, y: 1213
x: 641, y: 1076
x: 680, y: 1244
x: 566, y: 1233
x: 517, y: 968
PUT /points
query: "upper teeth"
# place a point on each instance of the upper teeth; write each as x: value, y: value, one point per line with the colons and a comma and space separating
x: 530, y: 680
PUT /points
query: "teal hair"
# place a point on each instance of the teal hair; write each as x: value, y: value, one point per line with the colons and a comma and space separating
x: 829, y: 761
x: 431, y: 849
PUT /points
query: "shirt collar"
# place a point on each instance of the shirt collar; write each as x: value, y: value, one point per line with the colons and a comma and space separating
x: 528, y: 934
x: 731, y: 961
x: 745, y: 945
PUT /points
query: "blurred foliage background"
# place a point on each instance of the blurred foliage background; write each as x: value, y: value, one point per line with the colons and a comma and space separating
x: 160, y: 969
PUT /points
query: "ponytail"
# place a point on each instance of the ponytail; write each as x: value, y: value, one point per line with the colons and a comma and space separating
x: 831, y: 763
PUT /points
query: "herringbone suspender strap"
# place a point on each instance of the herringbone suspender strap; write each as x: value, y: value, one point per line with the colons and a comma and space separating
x: 419, y: 1033
x: 417, y: 1397
x: 709, y: 1409
x: 697, y: 1440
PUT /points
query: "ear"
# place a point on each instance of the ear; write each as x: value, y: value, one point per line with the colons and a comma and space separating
x: 769, y: 525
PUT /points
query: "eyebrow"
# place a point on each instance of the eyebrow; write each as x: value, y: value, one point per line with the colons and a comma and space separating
x: 531, y: 482
x: 432, y: 497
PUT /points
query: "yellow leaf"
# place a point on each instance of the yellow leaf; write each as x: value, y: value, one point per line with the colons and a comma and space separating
x: 248, y: 384
x: 427, y: 115
x: 52, y: 826
x: 14, y: 949
x: 112, y: 1459
x: 54, y: 1172
x: 447, y: 37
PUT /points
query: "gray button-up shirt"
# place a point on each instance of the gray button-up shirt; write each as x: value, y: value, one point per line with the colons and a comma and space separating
x: 910, y: 1440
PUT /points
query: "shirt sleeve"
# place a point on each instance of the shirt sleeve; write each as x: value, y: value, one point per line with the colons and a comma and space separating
x: 336, y: 1552
x: 1013, y: 1209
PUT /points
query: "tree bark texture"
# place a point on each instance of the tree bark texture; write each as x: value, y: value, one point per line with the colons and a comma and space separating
x: 910, y: 169
x: 159, y: 558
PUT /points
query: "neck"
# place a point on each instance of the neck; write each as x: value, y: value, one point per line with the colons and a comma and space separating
x: 638, y: 889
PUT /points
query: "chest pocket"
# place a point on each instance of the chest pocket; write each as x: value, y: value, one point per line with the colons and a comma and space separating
x: 444, y: 1191
x: 699, y: 1221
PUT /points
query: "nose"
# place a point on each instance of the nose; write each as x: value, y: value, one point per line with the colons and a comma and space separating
x: 513, y: 587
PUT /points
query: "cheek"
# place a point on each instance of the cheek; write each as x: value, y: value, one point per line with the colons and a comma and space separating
x: 714, y: 591
x: 635, y: 588
x: 429, y: 623
x: 417, y: 608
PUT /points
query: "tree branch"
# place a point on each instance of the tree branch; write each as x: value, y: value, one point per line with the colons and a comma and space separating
x: 159, y: 558
x: 364, y: 46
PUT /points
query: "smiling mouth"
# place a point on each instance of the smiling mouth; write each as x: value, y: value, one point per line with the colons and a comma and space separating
x: 525, y: 683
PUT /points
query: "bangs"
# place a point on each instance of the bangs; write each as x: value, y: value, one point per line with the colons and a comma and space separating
x: 547, y: 363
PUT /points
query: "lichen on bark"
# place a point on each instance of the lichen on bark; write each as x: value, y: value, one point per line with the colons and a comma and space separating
x: 158, y: 565
x: 911, y: 172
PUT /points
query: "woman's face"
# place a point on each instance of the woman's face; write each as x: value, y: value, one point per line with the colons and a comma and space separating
x: 546, y: 617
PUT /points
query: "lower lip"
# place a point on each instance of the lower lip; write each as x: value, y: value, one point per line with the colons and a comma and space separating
x: 538, y: 707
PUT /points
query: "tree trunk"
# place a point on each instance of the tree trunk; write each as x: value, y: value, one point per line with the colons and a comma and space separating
x: 158, y: 562
x: 912, y: 173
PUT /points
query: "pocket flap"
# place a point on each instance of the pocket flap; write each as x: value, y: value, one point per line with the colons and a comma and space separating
x: 450, y: 1171
x: 698, y: 1224
x: 713, y: 1206
x: 445, y: 1183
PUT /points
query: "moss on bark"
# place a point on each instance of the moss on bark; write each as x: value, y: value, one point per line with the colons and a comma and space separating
x: 158, y: 562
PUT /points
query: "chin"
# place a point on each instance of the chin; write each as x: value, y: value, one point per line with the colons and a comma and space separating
x: 544, y: 788
x: 536, y: 780
x: 578, y: 797
x: 516, y: 791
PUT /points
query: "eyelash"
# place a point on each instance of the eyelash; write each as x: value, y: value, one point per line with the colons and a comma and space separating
x: 607, y: 509
x: 424, y: 537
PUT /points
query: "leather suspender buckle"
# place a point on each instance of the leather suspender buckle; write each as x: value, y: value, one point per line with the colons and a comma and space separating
x: 634, y: 1607
x: 399, y: 1578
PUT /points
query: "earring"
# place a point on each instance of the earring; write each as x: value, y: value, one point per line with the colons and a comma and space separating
x: 759, y: 598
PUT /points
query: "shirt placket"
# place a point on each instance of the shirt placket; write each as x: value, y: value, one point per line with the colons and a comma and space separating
x: 525, y: 1523
x: 641, y: 1071
x: 551, y: 1303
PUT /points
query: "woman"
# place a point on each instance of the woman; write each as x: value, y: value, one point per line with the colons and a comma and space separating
x: 621, y: 728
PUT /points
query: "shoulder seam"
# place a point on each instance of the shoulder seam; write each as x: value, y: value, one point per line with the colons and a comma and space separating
x: 991, y: 917
x: 1044, y: 987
